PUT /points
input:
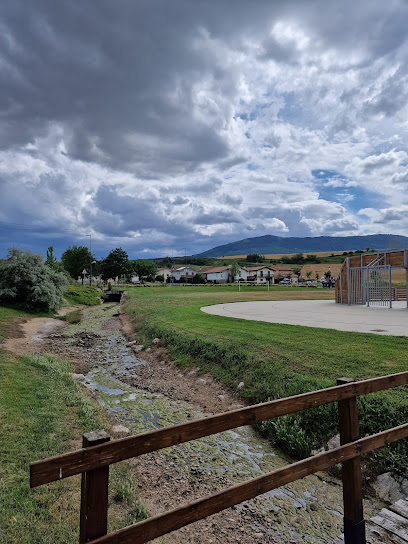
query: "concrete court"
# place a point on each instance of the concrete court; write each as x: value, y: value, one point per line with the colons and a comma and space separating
x: 325, y: 314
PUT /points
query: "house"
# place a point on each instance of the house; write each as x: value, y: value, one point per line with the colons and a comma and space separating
x: 216, y: 274
x: 222, y: 274
x: 164, y: 271
x: 185, y: 271
x: 283, y: 271
x: 261, y: 274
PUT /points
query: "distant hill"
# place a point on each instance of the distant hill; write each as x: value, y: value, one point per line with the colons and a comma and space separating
x: 277, y: 244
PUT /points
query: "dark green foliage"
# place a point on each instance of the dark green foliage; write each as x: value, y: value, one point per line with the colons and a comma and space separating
x: 51, y: 261
x: 255, y: 258
x: 83, y: 294
x: 26, y: 280
x: 159, y: 277
x: 146, y: 270
x: 198, y: 278
x: 75, y: 259
x: 116, y: 264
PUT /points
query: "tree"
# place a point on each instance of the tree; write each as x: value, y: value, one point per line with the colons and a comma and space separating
x: 166, y: 262
x: 146, y: 270
x: 297, y: 270
x: 27, y: 280
x: 51, y: 260
x: 75, y: 259
x: 116, y: 264
x: 309, y: 274
x: 198, y: 278
x: 255, y: 258
x: 234, y: 270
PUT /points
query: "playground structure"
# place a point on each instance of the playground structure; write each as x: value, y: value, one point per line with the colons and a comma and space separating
x: 367, y: 279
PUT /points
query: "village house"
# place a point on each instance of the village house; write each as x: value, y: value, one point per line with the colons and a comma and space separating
x: 185, y: 271
x: 283, y: 271
x: 164, y: 271
x: 222, y: 274
x: 261, y: 274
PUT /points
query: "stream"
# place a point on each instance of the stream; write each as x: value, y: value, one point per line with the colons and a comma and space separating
x: 309, y: 510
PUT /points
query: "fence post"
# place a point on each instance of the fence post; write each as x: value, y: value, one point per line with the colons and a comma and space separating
x: 94, y: 494
x: 354, y: 524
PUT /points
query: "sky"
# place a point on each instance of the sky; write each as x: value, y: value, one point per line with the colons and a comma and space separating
x: 172, y: 126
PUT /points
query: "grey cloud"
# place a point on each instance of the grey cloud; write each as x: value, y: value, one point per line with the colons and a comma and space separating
x: 179, y: 201
x: 215, y: 217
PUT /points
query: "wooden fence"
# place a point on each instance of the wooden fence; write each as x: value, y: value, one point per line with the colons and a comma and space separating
x: 99, y: 452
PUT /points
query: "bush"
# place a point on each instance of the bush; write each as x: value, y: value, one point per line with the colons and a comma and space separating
x: 25, y: 279
x: 83, y: 294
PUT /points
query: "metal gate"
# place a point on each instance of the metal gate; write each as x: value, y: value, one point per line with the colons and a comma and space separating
x: 370, y: 285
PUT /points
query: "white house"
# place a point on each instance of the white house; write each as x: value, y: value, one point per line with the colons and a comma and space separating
x: 216, y: 274
x: 165, y: 271
x: 185, y: 271
x: 261, y: 274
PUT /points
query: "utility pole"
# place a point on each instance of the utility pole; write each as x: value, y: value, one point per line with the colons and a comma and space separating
x: 90, y: 258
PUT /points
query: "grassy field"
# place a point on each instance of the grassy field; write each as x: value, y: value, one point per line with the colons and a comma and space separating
x: 275, y: 360
x: 43, y: 412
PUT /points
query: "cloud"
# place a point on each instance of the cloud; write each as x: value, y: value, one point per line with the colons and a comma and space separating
x: 159, y: 124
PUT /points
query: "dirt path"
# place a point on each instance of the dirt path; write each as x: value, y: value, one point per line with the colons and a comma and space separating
x: 170, y: 478
x: 28, y: 336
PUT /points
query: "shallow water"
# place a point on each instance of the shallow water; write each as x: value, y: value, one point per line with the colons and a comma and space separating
x: 308, y: 510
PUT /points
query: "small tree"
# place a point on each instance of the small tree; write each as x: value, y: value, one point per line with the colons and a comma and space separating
x: 309, y: 274
x: 51, y: 260
x: 234, y: 270
x: 198, y: 278
x: 317, y: 276
x: 297, y: 270
x: 25, y: 279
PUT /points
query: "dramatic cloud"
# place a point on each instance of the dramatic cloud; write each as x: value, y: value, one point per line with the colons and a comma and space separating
x: 159, y: 126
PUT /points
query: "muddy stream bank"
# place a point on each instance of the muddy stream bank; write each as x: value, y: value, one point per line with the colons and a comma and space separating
x: 142, y: 390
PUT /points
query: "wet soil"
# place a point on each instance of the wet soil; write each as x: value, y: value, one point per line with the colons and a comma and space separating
x: 142, y: 389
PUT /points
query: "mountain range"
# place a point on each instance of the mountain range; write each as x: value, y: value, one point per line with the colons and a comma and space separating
x: 268, y: 244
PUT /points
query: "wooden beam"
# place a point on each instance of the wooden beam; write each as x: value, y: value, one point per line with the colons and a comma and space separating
x: 180, y: 517
x: 94, y: 494
x: 69, y: 464
x: 354, y: 526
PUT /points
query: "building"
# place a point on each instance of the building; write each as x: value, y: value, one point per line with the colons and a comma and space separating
x: 185, y: 271
x: 261, y: 274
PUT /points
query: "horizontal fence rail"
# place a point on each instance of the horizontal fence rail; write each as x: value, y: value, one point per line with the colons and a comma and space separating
x: 77, y: 462
x: 98, y: 453
x: 175, y: 519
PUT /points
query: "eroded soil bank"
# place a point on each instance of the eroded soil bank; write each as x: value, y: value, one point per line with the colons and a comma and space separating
x: 142, y: 390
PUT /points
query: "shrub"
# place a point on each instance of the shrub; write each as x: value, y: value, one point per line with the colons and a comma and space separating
x: 25, y: 279
x: 83, y: 294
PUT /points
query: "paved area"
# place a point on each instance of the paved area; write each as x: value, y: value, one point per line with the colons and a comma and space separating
x: 325, y: 314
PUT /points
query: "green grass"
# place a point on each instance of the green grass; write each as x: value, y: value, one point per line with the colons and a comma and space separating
x: 72, y: 317
x: 83, y: 294
x: 275, y: 360
x: 44, y: 412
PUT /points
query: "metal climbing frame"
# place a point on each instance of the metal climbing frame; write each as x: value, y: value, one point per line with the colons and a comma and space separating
x: 370, y: 285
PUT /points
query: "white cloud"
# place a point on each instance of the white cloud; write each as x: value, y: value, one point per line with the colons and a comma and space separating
x: 196, y: 125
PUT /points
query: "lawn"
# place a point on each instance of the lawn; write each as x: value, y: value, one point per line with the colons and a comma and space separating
x: 275, y: 360
x: 43, y: 412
